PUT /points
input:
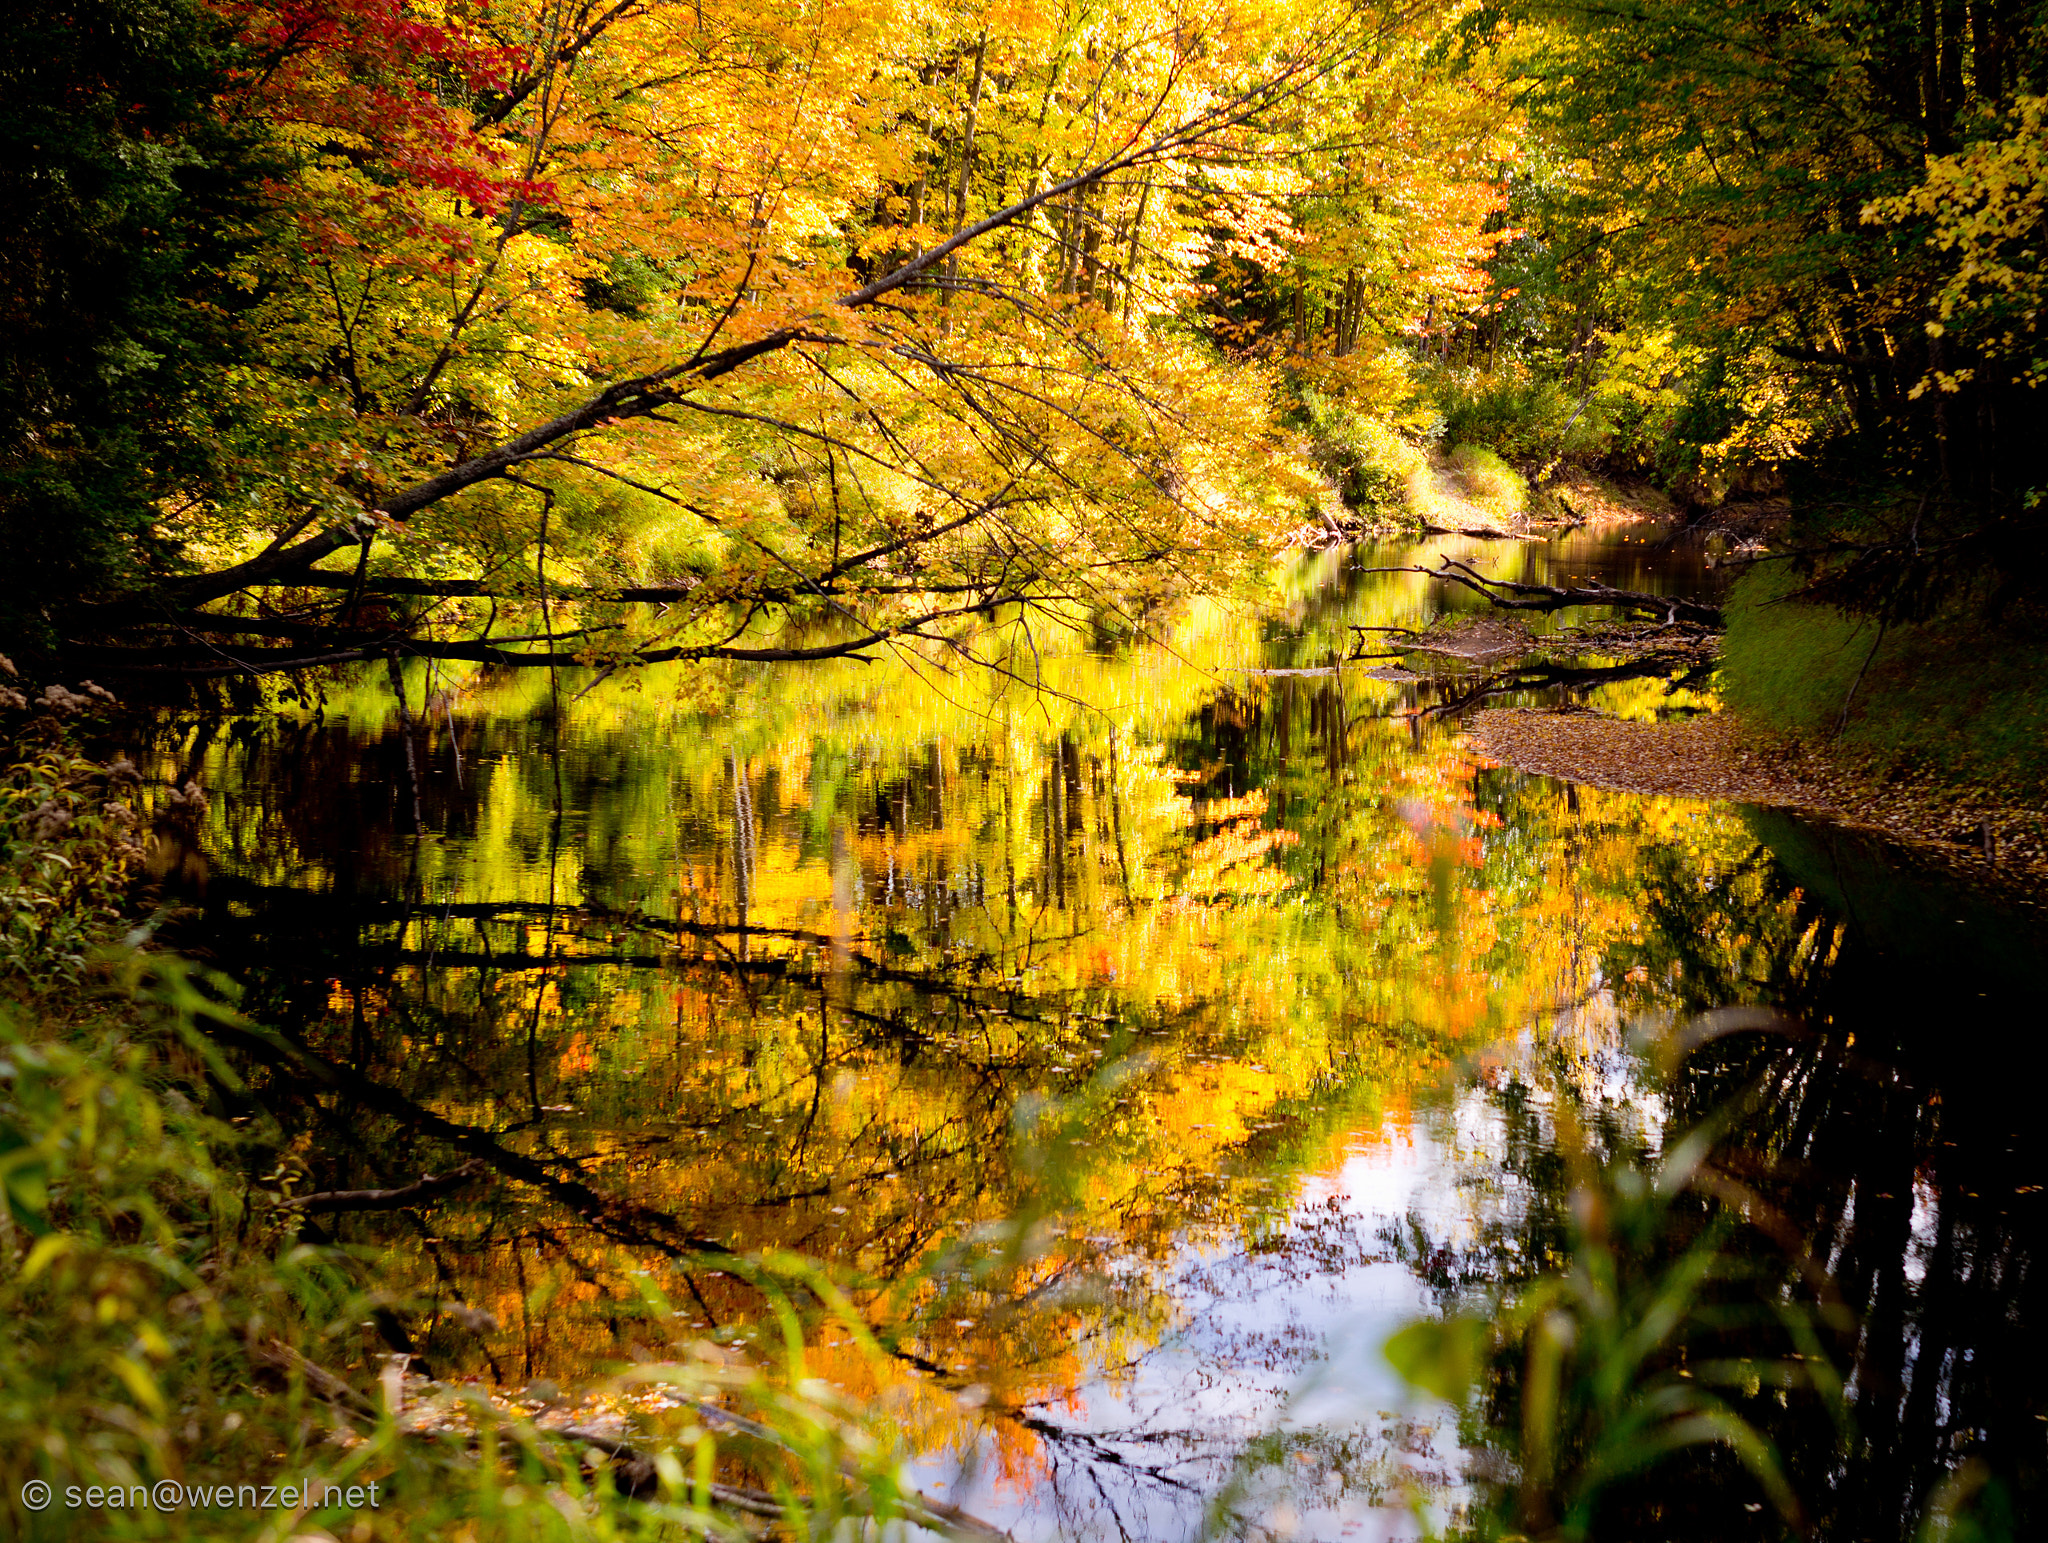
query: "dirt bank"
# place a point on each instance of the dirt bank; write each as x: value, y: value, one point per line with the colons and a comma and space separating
x: 1973, y: 830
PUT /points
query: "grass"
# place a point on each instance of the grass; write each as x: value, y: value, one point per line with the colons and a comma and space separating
x: 1956, y: 696
x: 1490, y: 482
x: 162, y: 1322
x: 1389, y: 477
x: 1472, y: 488
x: 1638, y: 1382
x: 1619, y: 1360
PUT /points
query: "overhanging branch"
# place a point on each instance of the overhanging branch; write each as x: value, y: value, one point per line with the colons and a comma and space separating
x: 645, y: 394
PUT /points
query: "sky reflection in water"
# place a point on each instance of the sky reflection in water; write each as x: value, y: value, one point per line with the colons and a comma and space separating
x: 783, y: 973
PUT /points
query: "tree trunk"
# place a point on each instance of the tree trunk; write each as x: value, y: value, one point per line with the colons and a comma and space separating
x: 1135, y: 255
x: 966, y: 157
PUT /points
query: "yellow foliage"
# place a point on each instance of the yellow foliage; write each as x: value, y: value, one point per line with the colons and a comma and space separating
x: 1989, y: 206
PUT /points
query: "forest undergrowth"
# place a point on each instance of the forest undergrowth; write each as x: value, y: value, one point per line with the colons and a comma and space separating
x: 185, y: 1359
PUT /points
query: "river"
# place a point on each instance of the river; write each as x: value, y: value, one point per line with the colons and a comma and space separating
x: 1148, y: 1043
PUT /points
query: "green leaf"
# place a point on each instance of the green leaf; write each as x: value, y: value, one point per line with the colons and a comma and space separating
x: 1440, y: 1356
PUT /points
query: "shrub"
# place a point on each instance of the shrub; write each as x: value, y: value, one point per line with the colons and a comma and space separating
x: 68, y: 842
x: 1369, y: 462
x: 1515, y: 414
x: 1490, y: 482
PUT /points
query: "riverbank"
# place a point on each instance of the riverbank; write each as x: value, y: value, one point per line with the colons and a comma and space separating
x: 1975, y: 830
x: 1959, y: 698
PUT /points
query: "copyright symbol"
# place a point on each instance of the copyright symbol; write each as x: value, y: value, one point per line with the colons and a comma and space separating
x: 35, y: 1494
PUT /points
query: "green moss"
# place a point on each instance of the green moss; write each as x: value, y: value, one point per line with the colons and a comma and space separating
x: 1955, y: 695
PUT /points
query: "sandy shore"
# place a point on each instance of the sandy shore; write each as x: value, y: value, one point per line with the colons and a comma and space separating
x: 1973, y: 830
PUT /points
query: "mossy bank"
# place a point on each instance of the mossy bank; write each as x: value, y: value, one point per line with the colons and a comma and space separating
x: 1950, y: 700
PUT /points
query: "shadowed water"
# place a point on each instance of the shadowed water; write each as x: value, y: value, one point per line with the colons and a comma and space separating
x: 1252, y: 993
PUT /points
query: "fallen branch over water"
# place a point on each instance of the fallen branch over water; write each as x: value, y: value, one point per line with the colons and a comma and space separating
x: 1511, y: 595
x: 634, y: 1471
x: 1551, y: 676
x: 426, y: 1187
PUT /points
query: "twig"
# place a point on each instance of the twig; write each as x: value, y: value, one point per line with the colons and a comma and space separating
x: 1842, y: 722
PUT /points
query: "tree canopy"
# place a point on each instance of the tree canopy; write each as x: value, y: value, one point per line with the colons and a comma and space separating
x: 648, y: 322
x: 1822, y: 224
x: 611, y: 333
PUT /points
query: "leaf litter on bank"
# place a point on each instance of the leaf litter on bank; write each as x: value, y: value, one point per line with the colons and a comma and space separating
x: 1978, y: 831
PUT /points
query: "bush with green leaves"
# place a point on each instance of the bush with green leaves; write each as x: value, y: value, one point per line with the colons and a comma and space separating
x: 69, y: 841
x: 1515, y: 413
x: 129, y: 185
x: 1369, y: 462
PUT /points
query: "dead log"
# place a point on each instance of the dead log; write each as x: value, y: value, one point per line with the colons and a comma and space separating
x: 278, y: 1357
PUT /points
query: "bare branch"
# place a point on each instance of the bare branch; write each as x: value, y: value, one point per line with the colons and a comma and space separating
x: 426, y: 1187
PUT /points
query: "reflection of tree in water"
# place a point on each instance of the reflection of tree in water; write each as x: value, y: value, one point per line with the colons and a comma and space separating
x: 819, y: 1098
x: 1896, y: 1165
x: 858, y: 1103
x: 800, y: 995
x: 735, y: 1002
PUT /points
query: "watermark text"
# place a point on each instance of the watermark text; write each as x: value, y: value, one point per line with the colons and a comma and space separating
x: 176, y: 1495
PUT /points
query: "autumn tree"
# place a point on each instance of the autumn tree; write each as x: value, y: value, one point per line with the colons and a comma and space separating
x: 1810, y: 209
x: 1375, y: 232
x: 685, y: 332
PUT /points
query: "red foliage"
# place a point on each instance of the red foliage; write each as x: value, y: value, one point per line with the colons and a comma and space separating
x: 383, y: 79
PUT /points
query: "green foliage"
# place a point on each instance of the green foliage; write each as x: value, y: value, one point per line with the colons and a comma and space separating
x: 1370, y: 463
x: 1989, y: 209
x: 68, y: 843
x: 163, y: 1316
x: 1442, y: 1356
x: 126, y: 192
x: 1489, y: 481
x: 1971, y: 1506
x: 1831, y: 221
x: 1512, y: 411
x: 163, y: 1323
x: 1957, y: 694
x: 124, y: 1332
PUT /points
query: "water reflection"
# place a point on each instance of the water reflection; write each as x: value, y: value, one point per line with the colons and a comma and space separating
x: 1175, y: 957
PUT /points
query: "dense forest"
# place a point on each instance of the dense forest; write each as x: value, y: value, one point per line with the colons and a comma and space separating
x: 343, y: 330
x: 842, y: 769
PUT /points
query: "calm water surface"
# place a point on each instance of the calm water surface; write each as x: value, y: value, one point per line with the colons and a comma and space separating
x: 1253, y: 995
